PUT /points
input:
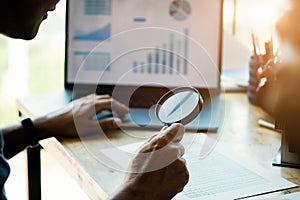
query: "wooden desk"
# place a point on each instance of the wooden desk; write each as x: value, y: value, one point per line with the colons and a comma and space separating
x: 239, y: 132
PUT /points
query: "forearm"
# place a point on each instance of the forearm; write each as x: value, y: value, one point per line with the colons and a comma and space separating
x: 14, y: 140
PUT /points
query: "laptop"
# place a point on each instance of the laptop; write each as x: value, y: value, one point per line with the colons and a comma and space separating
x: 138, y: 50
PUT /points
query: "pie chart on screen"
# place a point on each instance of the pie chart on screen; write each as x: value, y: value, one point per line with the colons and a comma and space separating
x: 180, y: 9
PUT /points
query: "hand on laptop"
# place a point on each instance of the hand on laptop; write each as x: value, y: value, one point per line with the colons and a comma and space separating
x: 157, y: 171
x: 77, y: 117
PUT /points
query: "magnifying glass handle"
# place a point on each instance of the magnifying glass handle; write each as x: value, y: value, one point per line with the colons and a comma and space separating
x: 168, y: 124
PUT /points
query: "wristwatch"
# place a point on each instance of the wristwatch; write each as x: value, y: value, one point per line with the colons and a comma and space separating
x: 31, y: 132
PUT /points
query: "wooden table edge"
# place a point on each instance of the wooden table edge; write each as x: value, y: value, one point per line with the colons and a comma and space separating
x: 83, y: 179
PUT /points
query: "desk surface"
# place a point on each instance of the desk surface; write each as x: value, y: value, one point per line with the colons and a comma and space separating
x: 239, y: 132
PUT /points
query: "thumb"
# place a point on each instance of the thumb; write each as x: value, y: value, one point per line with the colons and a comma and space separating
x: 110, y: 123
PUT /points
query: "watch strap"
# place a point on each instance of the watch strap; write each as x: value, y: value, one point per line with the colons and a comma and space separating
x: 31, y: 132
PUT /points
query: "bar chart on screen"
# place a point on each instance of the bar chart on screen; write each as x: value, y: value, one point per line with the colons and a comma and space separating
x: 169, y: 58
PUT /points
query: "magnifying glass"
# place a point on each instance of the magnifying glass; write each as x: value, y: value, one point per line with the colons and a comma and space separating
x: 180, y: 105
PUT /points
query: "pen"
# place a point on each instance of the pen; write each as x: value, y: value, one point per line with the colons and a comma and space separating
x: 259, y: 54
x: 271, y: 47
x: 256, y: 48
x: 254, y: 44
x: 266, y: 124
x: 268, y: 49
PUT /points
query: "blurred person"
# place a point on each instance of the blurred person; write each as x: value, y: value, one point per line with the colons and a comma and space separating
x: 278, y: 92
x: 21, y: 19
x: 288, y: 76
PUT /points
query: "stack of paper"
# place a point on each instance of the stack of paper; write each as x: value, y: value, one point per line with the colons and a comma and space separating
x: 216, y: 175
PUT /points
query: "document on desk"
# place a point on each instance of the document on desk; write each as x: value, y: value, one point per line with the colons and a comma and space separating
x: 217, y: 176
x: 292, y: 196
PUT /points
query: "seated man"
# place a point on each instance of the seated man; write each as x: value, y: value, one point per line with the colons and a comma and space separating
x: 21, y: 19
x: 279, y: 90
x: 288, y: 76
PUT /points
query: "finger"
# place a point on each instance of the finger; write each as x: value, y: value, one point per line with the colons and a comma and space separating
x: 185, y: 176
x: 110, y: 123
x: 90, y: 96
x: 182, y: 160
x: 155, y: 135
x: 111, y: 104
x: 103, y: 96
x: 179, y: 168
x: 173, y: 133
x: 176, y: 149
x: 95, y: 96
x: 181, y: 150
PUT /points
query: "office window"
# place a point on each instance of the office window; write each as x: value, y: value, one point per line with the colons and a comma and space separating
x: 28, y: 67
x: 241, y: 17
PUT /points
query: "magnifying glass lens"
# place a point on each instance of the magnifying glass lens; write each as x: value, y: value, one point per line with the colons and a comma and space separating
x: 180, y: 105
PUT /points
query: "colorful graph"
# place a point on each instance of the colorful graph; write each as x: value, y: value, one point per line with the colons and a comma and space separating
x: 97, y: 7
x: 98, y: 35
x: 93, y: 61
x: 167, y: 59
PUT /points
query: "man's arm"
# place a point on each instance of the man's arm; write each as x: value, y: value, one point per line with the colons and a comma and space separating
x: 15, y: 138
x: 73, y: 120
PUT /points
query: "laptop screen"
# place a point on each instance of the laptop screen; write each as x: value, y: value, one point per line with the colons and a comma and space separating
x: 153, y: 43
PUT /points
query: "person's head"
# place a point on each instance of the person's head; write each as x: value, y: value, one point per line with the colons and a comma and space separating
x: 288, y: 25
x: 22, y: 18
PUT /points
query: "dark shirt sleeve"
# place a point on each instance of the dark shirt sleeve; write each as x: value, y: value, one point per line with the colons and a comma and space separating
x: 4, y: 169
